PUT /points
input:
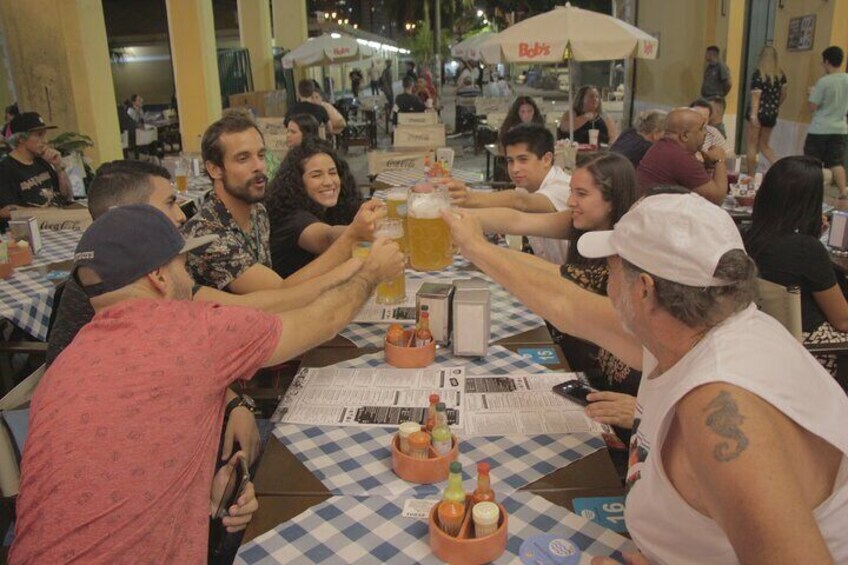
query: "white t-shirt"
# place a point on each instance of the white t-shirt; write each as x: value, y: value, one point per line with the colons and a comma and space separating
x: 754, y: 352
x: 557, y: 187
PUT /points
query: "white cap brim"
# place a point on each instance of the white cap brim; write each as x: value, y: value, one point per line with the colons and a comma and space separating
x: 198, y: 242
x: 596, y: 245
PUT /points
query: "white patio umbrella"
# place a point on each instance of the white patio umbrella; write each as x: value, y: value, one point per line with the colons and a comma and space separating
x: 468, y: 48
x: 326, y: 50
x: 568, y: 33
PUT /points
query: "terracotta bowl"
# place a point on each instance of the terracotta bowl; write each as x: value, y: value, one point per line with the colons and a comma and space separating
x: 410, y: 357
x: 465, y: 549
x: 423, y: 471
x: 6, y: 270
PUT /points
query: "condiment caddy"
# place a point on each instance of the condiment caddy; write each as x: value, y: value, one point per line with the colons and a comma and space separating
x: 412, y: 348
x: 423, y: 454
x: 433, y: 469
x: 468, y: 528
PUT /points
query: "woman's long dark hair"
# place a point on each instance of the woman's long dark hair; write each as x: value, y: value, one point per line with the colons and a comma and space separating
x: 789, y: 201
x: 307, y: 123
x: 287, y: 193
x: 614, y: 175
x: 512, y: 118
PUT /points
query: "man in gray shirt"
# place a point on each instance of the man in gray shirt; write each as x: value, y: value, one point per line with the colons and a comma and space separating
x: 716, y: 75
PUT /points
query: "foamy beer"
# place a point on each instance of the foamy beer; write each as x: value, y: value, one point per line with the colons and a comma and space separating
x: 393, y: 291
x: 396, y: 203
x: 429, y: 236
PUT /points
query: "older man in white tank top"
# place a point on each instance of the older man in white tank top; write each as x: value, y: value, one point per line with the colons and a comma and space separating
x: 740, y: 438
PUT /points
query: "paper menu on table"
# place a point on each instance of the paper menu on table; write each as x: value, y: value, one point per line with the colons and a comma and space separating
x: 370, y: 397
x: 521, y: 404
x: 373, y: 313
x: 403, y: 313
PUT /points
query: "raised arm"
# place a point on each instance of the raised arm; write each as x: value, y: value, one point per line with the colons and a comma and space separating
x: 571, y: 309
x: 282, y: 299
x: 318, y: 322
x: 579, y: 121
x: 337, y: 247
x: 523, y: 201
x: 716, y: 189
x: 555, y: 225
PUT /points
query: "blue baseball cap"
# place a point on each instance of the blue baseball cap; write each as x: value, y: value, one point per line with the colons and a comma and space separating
x: 126, y: 243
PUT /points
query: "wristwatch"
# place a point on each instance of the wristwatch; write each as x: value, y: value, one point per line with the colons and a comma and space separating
x: 242, y: 400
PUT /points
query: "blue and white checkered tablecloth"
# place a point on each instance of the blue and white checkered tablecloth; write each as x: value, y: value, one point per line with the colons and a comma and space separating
x: 373, y: 530
x: 57, y: 246
x: 26, y: 299
x: 509, y: 316
x: 409, y: 178
x: 499, y: 361
x: 358, y: 461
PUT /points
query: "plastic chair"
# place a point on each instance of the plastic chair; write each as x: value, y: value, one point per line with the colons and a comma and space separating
x: 784, y: 305
x: 14, y: 430
x: 781, y: 303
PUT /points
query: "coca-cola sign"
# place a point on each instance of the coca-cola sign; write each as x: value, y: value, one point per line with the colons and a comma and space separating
x: 401, y: 163
x: 528, y: 51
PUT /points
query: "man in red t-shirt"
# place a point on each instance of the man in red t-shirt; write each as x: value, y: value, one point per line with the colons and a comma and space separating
x: 124, y: 426
x: 672, y: 160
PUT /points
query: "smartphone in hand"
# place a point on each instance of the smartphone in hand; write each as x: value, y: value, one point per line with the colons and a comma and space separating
x: 574, y: 390
x: 236, y: 484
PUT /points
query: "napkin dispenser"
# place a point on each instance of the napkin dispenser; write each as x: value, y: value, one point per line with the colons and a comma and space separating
x: 26, y: 229
x: 437, y: 298
x: 471, y: 318
x: 838, y: 236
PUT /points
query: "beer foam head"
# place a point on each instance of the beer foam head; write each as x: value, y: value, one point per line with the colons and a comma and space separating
x: 398, y: 194
x: 427, y: 208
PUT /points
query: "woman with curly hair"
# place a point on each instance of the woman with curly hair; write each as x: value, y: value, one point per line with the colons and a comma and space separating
x: 311, y: 199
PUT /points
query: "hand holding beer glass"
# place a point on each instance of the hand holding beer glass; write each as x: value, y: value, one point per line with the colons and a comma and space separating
x: 392, y: 291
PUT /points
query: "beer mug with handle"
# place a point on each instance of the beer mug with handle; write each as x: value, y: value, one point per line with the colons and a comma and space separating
x: 429, y: 236
x: 393, y: 291
x: 396, y: 209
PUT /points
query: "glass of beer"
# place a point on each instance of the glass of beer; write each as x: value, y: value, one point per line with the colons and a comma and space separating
x: 361, y: 249
x: 393, y: 291
x: 429, y: 236
x: 396, y: 209
x: 181, y: 176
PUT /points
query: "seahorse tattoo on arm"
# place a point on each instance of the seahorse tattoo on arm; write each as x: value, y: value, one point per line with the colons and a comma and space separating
x: 725, y: 419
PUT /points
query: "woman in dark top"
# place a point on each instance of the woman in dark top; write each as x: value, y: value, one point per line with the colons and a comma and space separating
x: 588, y: 114
x: 312, y: 196
x: 784, y: 242
x: 768, y: 91
x: 522, y: 111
